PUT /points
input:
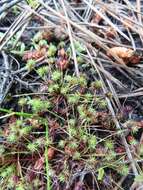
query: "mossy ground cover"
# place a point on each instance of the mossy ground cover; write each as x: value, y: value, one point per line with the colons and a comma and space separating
x: 71, y: 95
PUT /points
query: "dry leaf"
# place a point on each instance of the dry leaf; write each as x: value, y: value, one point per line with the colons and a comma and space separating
x: 121, y: 52
x: 62, y: 53
x: 128, y: 55
x: 51, y: 153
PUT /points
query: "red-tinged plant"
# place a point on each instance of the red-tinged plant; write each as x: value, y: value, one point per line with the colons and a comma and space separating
x: 39, y: 164
x: 35, y: 54
x: 62, y: 63
x: 120, y: 150
x: 130, y: 139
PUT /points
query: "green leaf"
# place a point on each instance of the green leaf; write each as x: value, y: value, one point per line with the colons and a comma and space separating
x: 100, y: 174
x: 22, y: 48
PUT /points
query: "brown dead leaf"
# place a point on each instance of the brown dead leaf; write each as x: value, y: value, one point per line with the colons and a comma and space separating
x: 128, y: 55
x: 62, y: 53
x: 121, y: 52
x: 51, y: 153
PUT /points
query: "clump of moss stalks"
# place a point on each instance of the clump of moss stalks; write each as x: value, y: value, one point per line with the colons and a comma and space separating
x: 70, y: 73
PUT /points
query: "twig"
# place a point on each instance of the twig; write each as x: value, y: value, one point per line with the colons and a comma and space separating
x: 106, y: 19
x: 71, y: 40
x: 6, y: 84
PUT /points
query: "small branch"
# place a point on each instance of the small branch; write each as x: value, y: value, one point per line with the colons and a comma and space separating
x: 71, y: 40
x: 6, y: 84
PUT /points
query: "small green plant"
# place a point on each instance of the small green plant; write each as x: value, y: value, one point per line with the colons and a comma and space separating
x: 84, y: 138
x: 123, y: 170
x: 20, y: 186
x: 72, y: 122
x: 73, y: 99
x: 92, y: 141
x: 82, y: 111
x: 22, y: 102
x: 8, y: 171
x: 79, y: 47
x: 32, y: 147
x: 56, y: 75
x: 30, y: 64
x: 61, y: 143
x: 39, y: 105
x: 37, y: 37
x: 52, y: 50
x: 100, y: 174
x: 43, y: 71
x: 98, y: 84
x: 102, y: 104
x: 53, y: 88
x: 25, y: 131
x: 43, y: 43
x: 111, y: 155
x: 73, y: 145
x: 33, y: 3
x: 76, y: 155
x: 12, y: 137
x: 72, y: 131
x: 109, y: 144
x: 51, y: 60
x: 15, y: 10
x: 82, y: 80
x: 64, y: 90
x: 20, y: 46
